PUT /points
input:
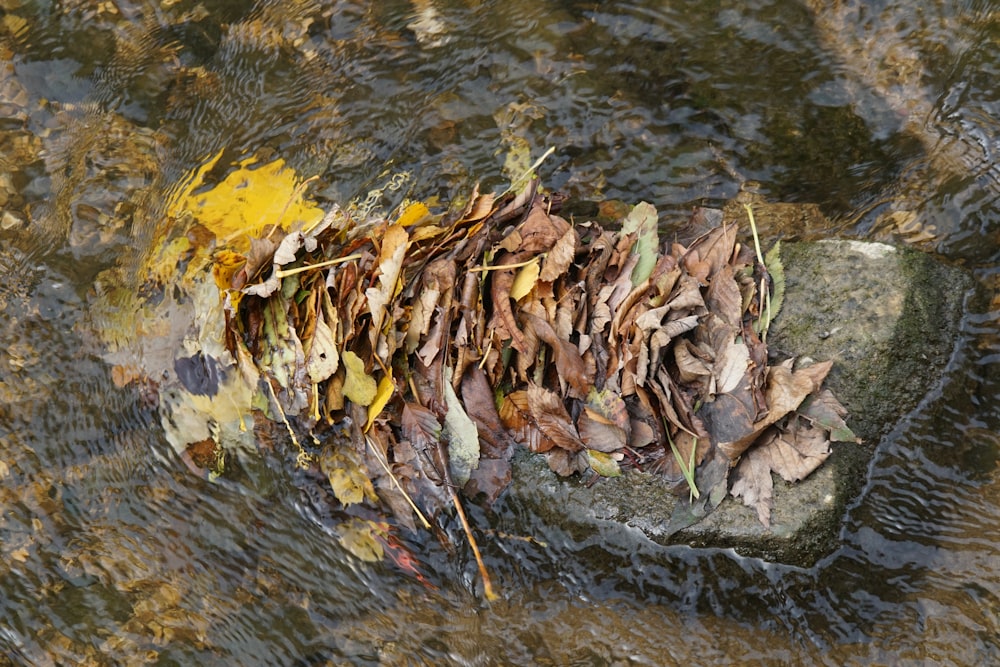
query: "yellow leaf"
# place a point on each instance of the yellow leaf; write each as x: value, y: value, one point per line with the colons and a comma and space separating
x: 225, y: 266
x: 382, y: 396
x: 162, y: 268
x: 525, y: 280
x: 348, y: 479
x: 413, y: 214
x: 359, y: 387
x: 246, y: 200
x: 360, y: 537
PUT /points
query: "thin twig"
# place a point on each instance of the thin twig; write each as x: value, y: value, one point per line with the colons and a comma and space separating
x: 487, y: 584
x: 395, y: 481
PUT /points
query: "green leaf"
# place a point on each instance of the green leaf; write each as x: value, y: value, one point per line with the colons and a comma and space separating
x: 772, y: 261
x: 643, y: 221
x: 603, y: 464
x: 687, y: 469
x: 463, y: 436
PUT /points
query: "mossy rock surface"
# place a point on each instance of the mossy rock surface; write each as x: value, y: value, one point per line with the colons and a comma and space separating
x: 888, y: 317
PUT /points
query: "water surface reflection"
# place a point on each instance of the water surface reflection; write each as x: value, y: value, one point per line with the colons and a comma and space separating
x: 883, y: 114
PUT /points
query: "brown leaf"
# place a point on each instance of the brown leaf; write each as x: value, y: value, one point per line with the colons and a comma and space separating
x: 559, y: 258
x: 797, y: 451
x: 687, y: 295
x: 421, y: 450
x: 710, y: 252
x: 642, y: 434
x: 552, y: 419
x: 724, y: 298
x: 477, y: 397
x: 794, y: 453
x: 786, y: 389
x: 479, y: 206
x: 540, y: 231
x: 693, y: 365
x: 826, y: 411
x: 600, y: 433
x: 554, y: 431
x: 752, y: 482
x: 503, y: 322
x: 565, y: 463
x: 568, y: 361
x: 516, y: 416
x: 438, y: 278
x: 491, y: 478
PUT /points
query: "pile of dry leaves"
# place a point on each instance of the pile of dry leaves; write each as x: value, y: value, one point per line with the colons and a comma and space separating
x: 444, y: 343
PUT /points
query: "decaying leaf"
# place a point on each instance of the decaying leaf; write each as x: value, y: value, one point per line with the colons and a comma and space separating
x: 349, y: 481
x: 595, y: 345
x: 323, y: 359
x: 603, y: 464
x: 362, y: 539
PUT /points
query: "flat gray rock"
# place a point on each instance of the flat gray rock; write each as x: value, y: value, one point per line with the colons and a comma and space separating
x: 889, y: 319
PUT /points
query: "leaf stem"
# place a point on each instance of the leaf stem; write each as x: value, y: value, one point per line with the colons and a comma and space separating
x: 281, y: 273
x: 753, y: 229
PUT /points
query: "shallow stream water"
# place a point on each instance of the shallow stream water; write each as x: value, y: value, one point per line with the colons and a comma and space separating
x: 112, y: 553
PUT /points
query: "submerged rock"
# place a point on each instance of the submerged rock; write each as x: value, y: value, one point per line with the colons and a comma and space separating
x: 889, y: 320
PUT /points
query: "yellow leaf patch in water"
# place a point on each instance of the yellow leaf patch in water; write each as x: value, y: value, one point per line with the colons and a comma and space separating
x: 246, y: 200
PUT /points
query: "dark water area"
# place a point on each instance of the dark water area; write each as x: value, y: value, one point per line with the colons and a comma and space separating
x: 882, y: 113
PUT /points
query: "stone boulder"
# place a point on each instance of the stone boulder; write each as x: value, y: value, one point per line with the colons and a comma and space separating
x: 889, y: 319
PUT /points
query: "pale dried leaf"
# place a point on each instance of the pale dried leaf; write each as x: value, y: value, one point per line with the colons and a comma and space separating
x: 323, y: 358
x: 463, y: 437
x: 752, y: 482
x: 559, y: 258
x: 731, y: 366
x: 797, y: 452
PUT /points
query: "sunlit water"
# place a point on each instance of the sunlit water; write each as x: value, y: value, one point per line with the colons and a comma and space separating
x: 113, y: 554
